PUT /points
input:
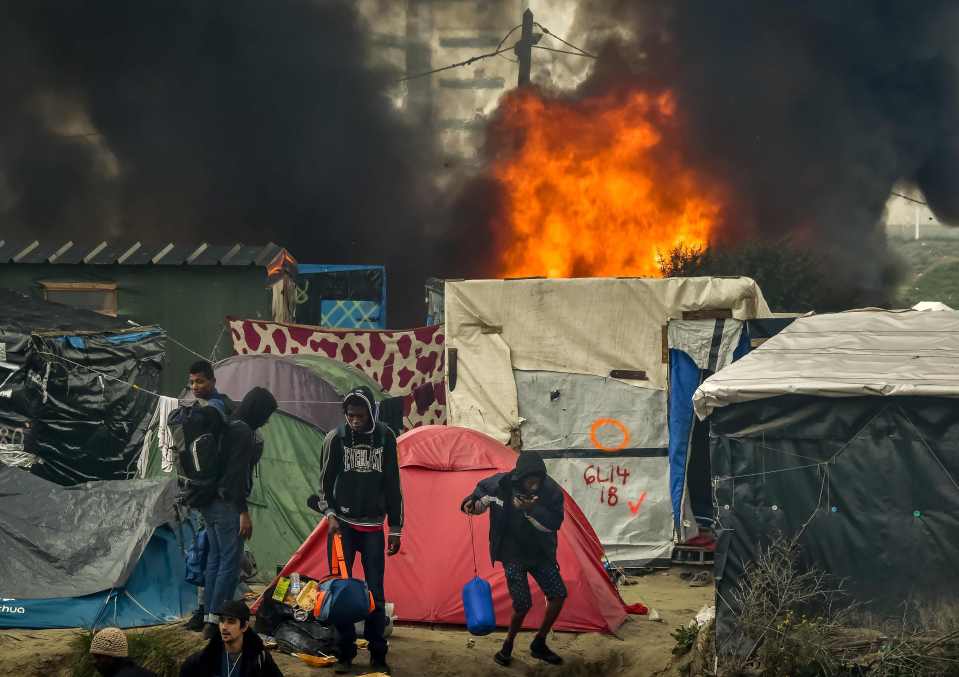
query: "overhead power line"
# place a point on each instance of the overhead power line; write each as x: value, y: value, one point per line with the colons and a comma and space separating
x: 579, y: 50
x: 563, y: 51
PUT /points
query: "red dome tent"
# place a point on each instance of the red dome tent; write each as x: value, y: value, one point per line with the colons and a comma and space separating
x: 439, y: 465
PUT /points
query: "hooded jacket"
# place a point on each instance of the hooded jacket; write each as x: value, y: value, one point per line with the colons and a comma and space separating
x: 544, y: 518
x: 360, y: 476
x: 238, y: 451
x: 256, y: 661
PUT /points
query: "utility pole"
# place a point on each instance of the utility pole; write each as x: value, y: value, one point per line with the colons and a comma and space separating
x: 524, y: 48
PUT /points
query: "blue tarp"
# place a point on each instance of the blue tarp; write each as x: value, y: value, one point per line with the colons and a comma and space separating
x: 155, y: 593
x: 684, y: 378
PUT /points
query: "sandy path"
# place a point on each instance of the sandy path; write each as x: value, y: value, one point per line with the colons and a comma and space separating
x: 642, y: 647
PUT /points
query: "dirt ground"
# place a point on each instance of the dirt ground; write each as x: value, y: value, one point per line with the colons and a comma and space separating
x: 641, y: 648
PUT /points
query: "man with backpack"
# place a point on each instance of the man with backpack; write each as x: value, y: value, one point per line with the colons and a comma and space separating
x: 203, y: 386
x: 218, y: 466
x: 359, y: 488
x: 526, y: 511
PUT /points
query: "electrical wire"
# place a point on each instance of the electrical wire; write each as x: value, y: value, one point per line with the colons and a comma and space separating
x: 468, y: 62
x: 563, y: 51
x: 548, y: 32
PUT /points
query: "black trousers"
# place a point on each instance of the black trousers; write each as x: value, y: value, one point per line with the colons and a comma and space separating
x: 372, y: 549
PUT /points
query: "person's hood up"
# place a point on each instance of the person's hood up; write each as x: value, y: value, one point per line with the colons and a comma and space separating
x: 363, y: 396
x: 529, y: 463
x: 256, y: 408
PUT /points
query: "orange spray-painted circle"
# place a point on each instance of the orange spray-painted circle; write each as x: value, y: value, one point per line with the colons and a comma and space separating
x: 602, y: 423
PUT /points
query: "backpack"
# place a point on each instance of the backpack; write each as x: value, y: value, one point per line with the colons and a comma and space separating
x: 197, y: 446
x: 342, y: 600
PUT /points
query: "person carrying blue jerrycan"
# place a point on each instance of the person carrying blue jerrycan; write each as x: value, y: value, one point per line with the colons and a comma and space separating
x: 526, y: 511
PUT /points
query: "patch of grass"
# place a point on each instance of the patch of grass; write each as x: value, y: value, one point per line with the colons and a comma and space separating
x: 685, y: 636
x: 161, y: 650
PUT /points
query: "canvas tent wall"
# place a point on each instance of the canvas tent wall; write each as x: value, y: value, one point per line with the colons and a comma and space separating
x: 576, y: 370
x: 104, y: 553
x: 698, y: 349
x: 74, y: 389
x: 843, y: 431
x: 406, y: 363
x: 439, y: 466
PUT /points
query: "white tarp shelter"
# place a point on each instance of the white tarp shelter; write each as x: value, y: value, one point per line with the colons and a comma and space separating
x: 575, y: 370
x: 859, y: 352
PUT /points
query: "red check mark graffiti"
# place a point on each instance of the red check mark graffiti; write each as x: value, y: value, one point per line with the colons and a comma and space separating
x: 634, y: 507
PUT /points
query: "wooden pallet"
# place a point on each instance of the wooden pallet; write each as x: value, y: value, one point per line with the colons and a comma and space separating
x: 691, y: 555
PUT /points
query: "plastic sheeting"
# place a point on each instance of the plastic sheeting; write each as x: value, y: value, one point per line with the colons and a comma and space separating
x: 154, y: 593
x: 70, y: 542
x: 859, y: 352
x: 697, y: 349
x: 559, y: 412
x: 875, y: 481
x: 580, y: 326
x: 88, y: 422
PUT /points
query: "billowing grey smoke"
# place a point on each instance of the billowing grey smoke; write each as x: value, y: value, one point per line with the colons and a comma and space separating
x: 808, y: 112
x: 221, y: 120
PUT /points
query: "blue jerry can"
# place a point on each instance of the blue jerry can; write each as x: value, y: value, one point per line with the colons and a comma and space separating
x: 478, y: 603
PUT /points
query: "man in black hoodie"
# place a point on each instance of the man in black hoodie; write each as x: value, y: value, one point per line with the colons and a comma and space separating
x: 359, y: 487
x: 223, y: 502
x: 235, y: 651
x: 526, y: 511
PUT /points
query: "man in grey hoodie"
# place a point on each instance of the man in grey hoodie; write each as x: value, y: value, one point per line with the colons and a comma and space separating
x: 359, y: 488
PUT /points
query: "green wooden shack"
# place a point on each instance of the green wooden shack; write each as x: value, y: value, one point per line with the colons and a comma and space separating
x: 186, y: 288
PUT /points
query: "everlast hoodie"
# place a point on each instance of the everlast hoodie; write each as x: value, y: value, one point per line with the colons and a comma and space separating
x: 360, y: 478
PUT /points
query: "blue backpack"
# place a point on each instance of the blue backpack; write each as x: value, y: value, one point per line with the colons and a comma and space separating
x: 196, y: 558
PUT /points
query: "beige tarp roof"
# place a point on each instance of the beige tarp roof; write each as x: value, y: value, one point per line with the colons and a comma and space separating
x: 586, y: 326
x: 860, y: 352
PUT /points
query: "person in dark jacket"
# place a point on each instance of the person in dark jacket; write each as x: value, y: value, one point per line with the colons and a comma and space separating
x: 526, y: 511
x: 110, y: 654
x: 235, y: 651
x: 359, y: 487
x: 223, y: 505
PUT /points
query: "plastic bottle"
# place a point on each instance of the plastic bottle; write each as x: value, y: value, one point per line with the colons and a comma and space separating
x: 295, y: 584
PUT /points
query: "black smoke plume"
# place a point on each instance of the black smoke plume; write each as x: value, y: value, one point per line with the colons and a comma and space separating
x: 807, y: 112
x: 220, y: 121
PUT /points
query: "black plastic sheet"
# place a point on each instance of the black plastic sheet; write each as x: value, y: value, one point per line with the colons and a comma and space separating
x: 870, y: 483
x: 89, y: 420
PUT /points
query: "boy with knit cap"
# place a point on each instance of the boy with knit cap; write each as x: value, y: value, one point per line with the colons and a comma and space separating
x: 359, y: 489
x: 111, y: 655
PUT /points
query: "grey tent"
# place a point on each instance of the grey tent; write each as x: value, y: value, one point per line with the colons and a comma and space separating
x: 842, y: 430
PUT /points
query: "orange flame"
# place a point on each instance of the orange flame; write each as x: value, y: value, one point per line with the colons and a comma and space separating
x: 591, y: 189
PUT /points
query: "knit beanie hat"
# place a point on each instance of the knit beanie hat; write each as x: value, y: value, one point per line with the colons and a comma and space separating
x: 110, y: 642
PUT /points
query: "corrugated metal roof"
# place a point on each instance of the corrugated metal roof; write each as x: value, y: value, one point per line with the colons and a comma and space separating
x: 128, y: 252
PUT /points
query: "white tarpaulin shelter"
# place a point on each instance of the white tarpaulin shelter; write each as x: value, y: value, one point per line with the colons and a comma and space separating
x: 859, y: 352
x: 576, y: 370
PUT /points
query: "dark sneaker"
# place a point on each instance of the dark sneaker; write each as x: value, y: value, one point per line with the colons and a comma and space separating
x: 505, y: 655
x: 195, y: 624
x: 343, y: 667
x: 542, y: 652
x: 210, y: 630
x: 380, y: 665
